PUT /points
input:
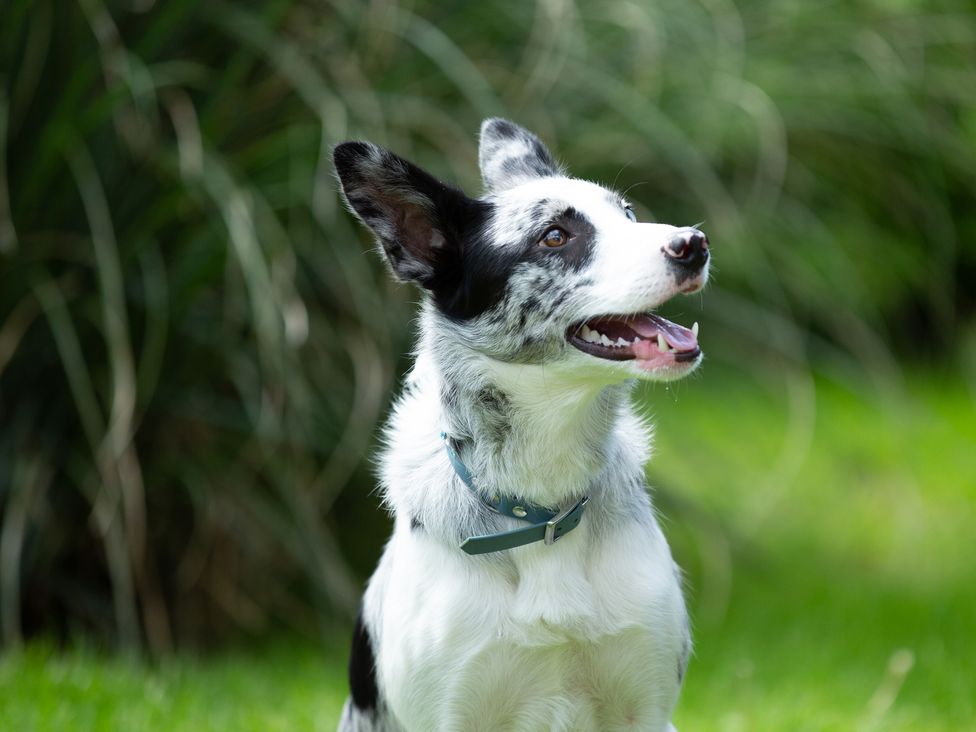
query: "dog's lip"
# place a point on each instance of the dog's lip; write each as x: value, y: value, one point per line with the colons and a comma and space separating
x: 642, y: 334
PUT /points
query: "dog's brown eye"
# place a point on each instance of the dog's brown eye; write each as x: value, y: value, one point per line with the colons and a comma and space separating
x: 554, y: 237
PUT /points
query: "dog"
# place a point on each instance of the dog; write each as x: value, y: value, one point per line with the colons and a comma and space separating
x: 527, y: 584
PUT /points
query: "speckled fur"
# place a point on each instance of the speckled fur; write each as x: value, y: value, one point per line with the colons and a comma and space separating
x: 590, y: 633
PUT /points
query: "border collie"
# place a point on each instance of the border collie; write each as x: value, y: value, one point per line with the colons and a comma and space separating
x: 527, y: 584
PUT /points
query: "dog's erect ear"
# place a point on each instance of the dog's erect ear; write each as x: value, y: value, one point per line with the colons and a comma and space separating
x: 418, y: 219
x: 510, y: 155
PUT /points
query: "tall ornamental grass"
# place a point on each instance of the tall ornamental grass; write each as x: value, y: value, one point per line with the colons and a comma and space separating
x: 196, y: 346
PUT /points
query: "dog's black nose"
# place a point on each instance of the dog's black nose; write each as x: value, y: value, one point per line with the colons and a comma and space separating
x: 688, y: 248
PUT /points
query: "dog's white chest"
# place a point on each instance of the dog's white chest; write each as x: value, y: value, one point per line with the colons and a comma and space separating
x: 578, y: 639
x: 537, y: 321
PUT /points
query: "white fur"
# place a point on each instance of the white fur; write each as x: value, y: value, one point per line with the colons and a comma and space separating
x: 590, y: 633
x: 586, y: 634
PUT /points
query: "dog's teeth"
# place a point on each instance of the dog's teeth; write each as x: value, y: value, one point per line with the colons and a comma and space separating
x: 662, y: 345
x: 604, y: 340
x: 585, y: 332
x: 694, y: 329
x: 622, y: 342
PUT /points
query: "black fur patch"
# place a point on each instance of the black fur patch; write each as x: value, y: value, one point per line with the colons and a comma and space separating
x: 529, y: 307
x: 541, y: 158
x: 426, y: 227
x: 495, y: 410
x: 557, y: 299
x: 579, y: 251
x: 527, y: 166
x: 416, y: 524
x: 531, y: 158
x: 435, y: 235
x: 362, y: 669
x: 486, y: 268
x: 478, y: 277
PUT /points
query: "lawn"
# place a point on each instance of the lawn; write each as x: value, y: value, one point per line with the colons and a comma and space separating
x: 827, y: 534
x: 285, y: 686
x: 840, y: 593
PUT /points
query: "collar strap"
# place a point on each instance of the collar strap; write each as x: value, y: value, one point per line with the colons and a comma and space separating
x: 547, y: 525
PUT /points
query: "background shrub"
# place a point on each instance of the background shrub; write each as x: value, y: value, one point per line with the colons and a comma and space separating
x: 196, y: 347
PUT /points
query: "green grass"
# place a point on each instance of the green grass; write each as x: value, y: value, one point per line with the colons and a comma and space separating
x: 196, y: 346
x: 833, y: 572
x: 831, y: 578
x: 284, y: 687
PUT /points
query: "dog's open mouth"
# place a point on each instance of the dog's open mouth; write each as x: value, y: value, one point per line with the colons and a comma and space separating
x: 650, y: 339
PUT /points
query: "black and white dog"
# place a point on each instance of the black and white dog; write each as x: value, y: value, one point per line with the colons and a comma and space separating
x: 527, y: 585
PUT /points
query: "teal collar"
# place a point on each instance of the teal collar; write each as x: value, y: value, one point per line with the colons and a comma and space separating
x: 546, y: 525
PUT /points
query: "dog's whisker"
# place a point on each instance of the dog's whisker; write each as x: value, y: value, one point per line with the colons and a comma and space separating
x: 634, y: 185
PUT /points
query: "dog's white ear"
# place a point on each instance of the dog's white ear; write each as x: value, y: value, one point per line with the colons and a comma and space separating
x: 417, y: 219
x: 510, y: 155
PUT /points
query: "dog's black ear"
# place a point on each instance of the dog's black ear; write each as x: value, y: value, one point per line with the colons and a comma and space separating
x: 418, y: 220
x: 510, y: 155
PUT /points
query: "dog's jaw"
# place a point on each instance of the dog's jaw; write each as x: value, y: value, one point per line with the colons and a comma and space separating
x: 652, y: 343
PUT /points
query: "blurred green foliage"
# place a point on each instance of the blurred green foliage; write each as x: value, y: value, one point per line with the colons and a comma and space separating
x: 832, y: 587
x: 196, y: 346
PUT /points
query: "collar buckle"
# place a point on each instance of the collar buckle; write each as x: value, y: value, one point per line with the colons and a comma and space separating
x: 551, y: 536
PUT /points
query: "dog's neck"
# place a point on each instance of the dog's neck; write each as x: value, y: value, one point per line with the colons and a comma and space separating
x: 528, y: 430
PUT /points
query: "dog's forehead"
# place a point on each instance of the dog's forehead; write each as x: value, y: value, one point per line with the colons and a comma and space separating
x: 536, y: 202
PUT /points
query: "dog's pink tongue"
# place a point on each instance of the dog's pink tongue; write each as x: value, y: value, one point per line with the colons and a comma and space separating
x: 678, y: 337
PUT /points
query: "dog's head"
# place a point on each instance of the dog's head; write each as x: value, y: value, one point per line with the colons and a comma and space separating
x: 543, y: 269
